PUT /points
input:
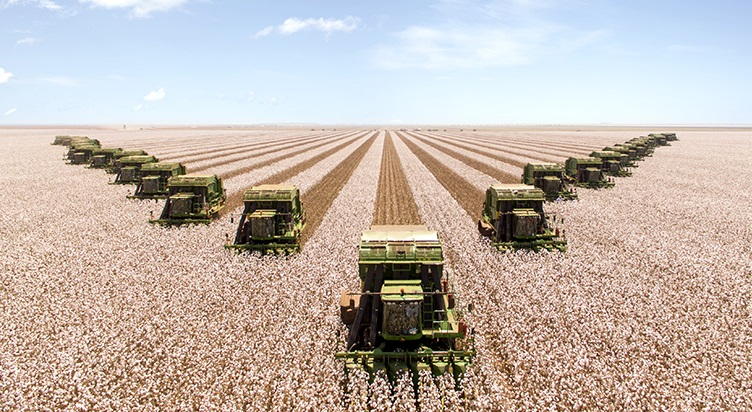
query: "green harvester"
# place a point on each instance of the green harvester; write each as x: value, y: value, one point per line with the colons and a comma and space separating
x: 513, y: 218
x: 114, y: 168
x: 550, y: 178
x: 104, y: 157
x: 129, y: 172
x: 192, y: 199
x: 404, y: 318
x: 153, y: 179
x: 612, y: 163
x: 586, y: 172
x: 629, y: 156
x: 272, y: 220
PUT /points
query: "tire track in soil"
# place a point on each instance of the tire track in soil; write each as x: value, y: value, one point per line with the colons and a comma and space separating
x: 500, y: 175
x: 395, y: 204
x: 235, y: 200
x: 243, y: 170
x: 467, y: 196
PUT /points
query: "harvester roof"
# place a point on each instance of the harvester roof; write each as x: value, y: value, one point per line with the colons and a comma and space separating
x: 270, y: 192
x: 403, y: 243
x: 192, y: 180
x: 138, y: 159
x: 553, y: 167
x: 103, y: 150
x: 517, y: 191
x: 604, y: 154
x: 586, y: 160
x: 161, y: 166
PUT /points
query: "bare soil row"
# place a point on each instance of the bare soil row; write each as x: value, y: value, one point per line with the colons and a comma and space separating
x: 395, y: 204
x: 245, y: 169
x: 234, y: 200
x: 500, y: 175
x: 320, y: 197
x: 231, y: 149
x: 466, y: 195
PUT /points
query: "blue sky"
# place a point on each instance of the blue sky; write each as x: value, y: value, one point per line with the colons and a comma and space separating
x: 387, y: 62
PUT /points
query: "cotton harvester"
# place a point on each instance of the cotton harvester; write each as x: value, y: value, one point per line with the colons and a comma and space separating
x: 550, y: 178
x: 272, y: 220
x: 82, y: 153
x: 192, y: 199
x: 117, y: 156
x: 154, y: 177
x: 405, y: 317
x: 129, y: 171
x: 104, y: 157
x: 670, y: 137
x: 586, y: 172
x: 612, y: 163
x: 79, y: 150
x: 513, y: 218
x: 628, y: 154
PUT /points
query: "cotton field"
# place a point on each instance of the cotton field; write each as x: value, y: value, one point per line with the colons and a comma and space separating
x: 649, y: 309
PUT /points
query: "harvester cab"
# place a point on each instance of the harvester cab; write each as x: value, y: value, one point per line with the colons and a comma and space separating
x: 272, y: 220
x: 611, y: 163
x: 550, y: 178
x: 513, y: 218
x: 405, y: 317
x: 130, y: 168
x: 192, y: 199
x: 104, y: 157
x: 154, y: 177
x: 586, y: 172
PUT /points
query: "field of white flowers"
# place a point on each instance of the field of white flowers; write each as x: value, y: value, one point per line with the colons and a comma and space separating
x: 649, y: 308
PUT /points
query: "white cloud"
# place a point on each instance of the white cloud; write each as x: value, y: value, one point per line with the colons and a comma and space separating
x: 27, y: 41
x: 328, y: 26
x: 481, y: 34
x: 155, y: 95
x: 60, y: 81
x: 138, y: 107
x: 139, y: 8
x: 10, y: 112
x: 42, y: 4
x: 4, y: 76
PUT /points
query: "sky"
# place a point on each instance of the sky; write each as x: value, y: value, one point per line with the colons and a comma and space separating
x: 385, y: 62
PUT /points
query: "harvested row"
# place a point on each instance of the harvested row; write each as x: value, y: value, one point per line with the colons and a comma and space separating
x: 550, y: 144
x: 513, y: 156
x: 466, y: 195
x: 505, y: 172
x: 395, y: 204
x: 321, y: 195
x: 257, y: 158
x: 228, y: 150
x: 526, y: 154
x: 582, y: 142
x: 285, y: 170
x: 167, y: 142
